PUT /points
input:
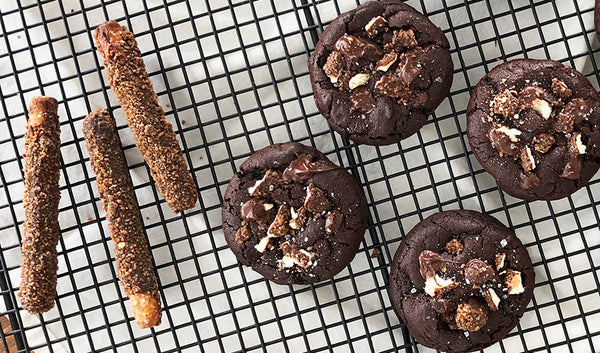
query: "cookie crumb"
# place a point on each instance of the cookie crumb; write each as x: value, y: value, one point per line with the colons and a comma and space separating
x: 375, y: 254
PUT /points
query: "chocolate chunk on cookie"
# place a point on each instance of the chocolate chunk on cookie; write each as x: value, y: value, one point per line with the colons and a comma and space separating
x: 533, y: 125
x: 461, y: 280
x: 292, y: 215
x: 379, y: 71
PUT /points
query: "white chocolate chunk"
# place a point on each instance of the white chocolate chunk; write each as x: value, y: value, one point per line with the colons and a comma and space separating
x: 543, y: 108
x: 358, y: 80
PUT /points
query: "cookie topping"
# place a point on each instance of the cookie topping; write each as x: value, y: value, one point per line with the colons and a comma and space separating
x: 294, y: 256
x: 298, y: 218
x: 500, y: 259
x: 265, y: 185
x: 505, y: 140
x: 358, y: 80
x: 575, y: 145
x: 280, y: 225
x: 471, y: 315
x: 316, y: 201
x: 354, y: 48
x: 491, y: 298
x: 362, y: 101
x: 404, y: 38
x: 242, y: 234
x: 255, y: 209
x: 513, y: 282
x: 302, y: 168
x: 478, y: 272
x: 540, y: 115
x: 430, y: 263
x: 461, y: 292
x: 543, y: 142
x: 376, y: 26
x: 262, y: 244
x: 573, y: 169
x: 560, y: 89
x: 527, y: 160
x: 334, y: 66
x: 388, y: 60
x: 528, y: 180
x: 454, y: 247
x: 334, y: 221
x: 393, y: 86
x: 437, y: 286
x: 505, y: 103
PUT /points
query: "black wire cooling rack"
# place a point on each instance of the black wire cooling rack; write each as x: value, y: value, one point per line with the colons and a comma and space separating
x: 232, y: 77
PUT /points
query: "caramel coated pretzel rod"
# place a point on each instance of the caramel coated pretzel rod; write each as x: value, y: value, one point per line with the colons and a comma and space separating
x: 154, y: 136
x: 41, y: 231
x: 134, y: 260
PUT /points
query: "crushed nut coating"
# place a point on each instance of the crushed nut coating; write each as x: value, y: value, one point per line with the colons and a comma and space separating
x: 154, y: 136
x: 133, y: 256
x: 41, y: 230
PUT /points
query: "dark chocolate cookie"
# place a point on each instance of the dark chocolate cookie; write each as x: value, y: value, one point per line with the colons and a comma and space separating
x: 293, y: 215
x: 461, y: 280
x: 533, y: 125
x: 379, y: 71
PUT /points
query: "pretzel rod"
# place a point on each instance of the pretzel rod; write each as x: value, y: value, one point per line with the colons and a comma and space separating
x: 134, y: 260
x: 41, y: 230
x: 154, y: 136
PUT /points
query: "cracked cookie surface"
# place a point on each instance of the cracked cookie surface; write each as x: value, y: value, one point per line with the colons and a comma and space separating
x: 292, y: 215
x: 379, y: 71
x: 533, y: 125
x: 461, y: 280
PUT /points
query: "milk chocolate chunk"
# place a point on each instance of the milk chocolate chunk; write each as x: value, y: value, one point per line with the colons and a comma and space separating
x: 376, y: 26
x: 302, y: 168
x: 255, y: 209
x: 362, y: 101
x: 528, y: 180
x: 334, y: 221
x: 316, y: 201
x: 355, y: 48
x: 478, y: 272
x: 430, y: 263
x: 505, y: 140
x: 280, y: 225
x: 266, y: 185
x: 573, y: 169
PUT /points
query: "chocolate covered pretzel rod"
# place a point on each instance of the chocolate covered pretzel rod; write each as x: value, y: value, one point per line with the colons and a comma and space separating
x: 154, y: 136
x: 41, y: 231
x: 134, y: 260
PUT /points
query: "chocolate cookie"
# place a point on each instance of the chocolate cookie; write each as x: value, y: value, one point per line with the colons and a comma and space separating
x: 379, y: 71
x: 461, y: 280
x: 533, y: 125
x: 293, y: 215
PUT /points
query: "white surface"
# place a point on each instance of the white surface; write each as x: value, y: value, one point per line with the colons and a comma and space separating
x: 59, y: 57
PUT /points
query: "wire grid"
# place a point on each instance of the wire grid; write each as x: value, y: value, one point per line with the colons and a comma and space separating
x: 232, y: 77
